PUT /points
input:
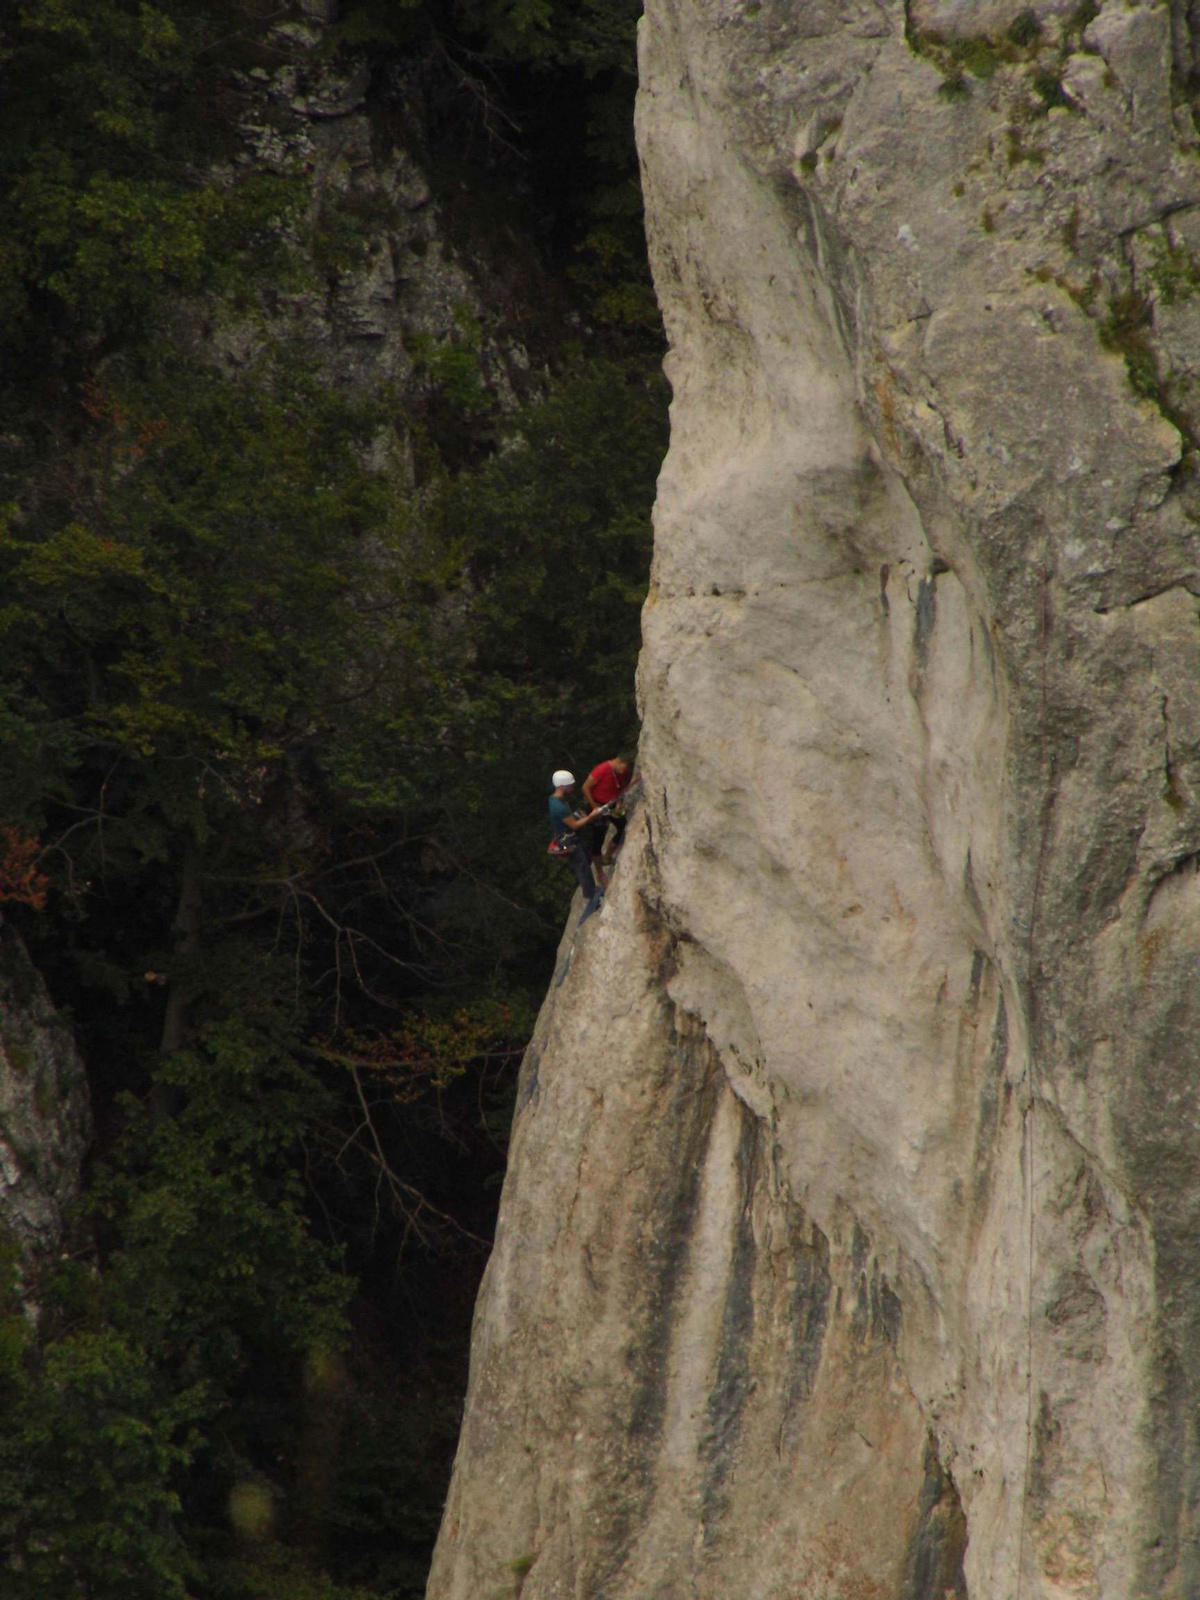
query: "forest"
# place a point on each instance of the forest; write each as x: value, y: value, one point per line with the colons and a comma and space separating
x: 287, y: 654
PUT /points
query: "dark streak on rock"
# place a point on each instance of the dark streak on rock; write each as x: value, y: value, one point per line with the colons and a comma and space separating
x: 860, y: 1248
x: 885, y: 1310
x: 664, y: 1254
x: 973, y: 900
x: 661, y: 1264
x: 865, y: 1314
x: 728, y: 1397
x: 990, y: 649
x: 989, y: 1104
x: 877, y: 1307
x: 1047, y: 1440
x: 926, y: 618
x: 890, y: 1312
x: 809, y: 1316
x: 860, y: 1317
x: 978, y: 959
x: 1077, y: 1313
x: 1171, y: 1413
x: 933, y: 1568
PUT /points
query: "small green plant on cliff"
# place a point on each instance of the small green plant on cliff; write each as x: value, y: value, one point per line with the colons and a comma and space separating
x: 1084, y: 294
x: 1048, y: 86
x: 452, y: 367
x: 1126, y: 331
x: 1084, y: 13
x: 1017, y: 148
x: 954, y: 86
x: 978, y: 56
x: 1024, y: 30
x: 520, y: 1569
x: 1175, y: 273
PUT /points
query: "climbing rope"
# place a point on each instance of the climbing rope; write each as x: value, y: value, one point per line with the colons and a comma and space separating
x: 1029, y: 1149
x: 1028, y: 1143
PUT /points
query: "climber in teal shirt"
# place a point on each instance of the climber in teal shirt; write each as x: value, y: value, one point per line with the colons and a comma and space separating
x: 567, y: 827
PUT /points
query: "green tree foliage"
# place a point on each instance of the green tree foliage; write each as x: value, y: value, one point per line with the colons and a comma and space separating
x: 251, y: 669
x: 169, y: 1361
x: 86, y: 1461
x: 595, y: 35
x: 108, y: 194
x: 557, y: 528
x: 278, y: 699
x: 236, y: 585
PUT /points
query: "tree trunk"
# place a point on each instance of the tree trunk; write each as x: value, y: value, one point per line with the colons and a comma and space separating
x: 187, y: 947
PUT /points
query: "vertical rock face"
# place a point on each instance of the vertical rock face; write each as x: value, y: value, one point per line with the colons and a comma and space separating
x: 851, y: 1240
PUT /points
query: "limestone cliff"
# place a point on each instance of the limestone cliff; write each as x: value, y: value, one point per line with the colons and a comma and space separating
x: 851, y: 1240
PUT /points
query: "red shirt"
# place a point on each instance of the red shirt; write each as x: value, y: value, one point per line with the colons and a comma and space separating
x: 607, y: 783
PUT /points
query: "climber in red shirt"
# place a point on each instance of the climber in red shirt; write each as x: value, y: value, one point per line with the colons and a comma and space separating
x: 604, y: 786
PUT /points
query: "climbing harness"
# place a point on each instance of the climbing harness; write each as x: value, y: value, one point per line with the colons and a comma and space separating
x: 562, y: 846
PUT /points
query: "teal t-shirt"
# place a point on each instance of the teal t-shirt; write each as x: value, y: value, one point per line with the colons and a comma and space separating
x: 559, y: 810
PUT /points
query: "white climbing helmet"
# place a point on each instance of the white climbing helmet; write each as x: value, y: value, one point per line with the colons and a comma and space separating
x: 562, y: 779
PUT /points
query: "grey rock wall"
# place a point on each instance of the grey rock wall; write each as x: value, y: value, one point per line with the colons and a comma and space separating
x: 850, y: 1247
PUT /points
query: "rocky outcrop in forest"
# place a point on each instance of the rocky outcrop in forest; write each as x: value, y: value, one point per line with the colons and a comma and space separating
x: 387, y: 282
x: 849, y: 1242
x: 44, y: 1113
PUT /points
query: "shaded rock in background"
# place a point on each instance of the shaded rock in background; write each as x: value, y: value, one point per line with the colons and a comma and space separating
x: 850, y: 1239
x: 45, y: 1122
x: 385, y: 283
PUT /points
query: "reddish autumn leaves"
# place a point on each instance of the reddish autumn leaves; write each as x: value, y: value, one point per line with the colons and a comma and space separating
x: 20, y: 881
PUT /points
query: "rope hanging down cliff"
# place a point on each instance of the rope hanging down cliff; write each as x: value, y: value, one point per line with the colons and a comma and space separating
x: 1049, y: 767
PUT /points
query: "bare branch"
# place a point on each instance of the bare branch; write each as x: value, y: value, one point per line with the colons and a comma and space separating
x: 408, y: 1201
